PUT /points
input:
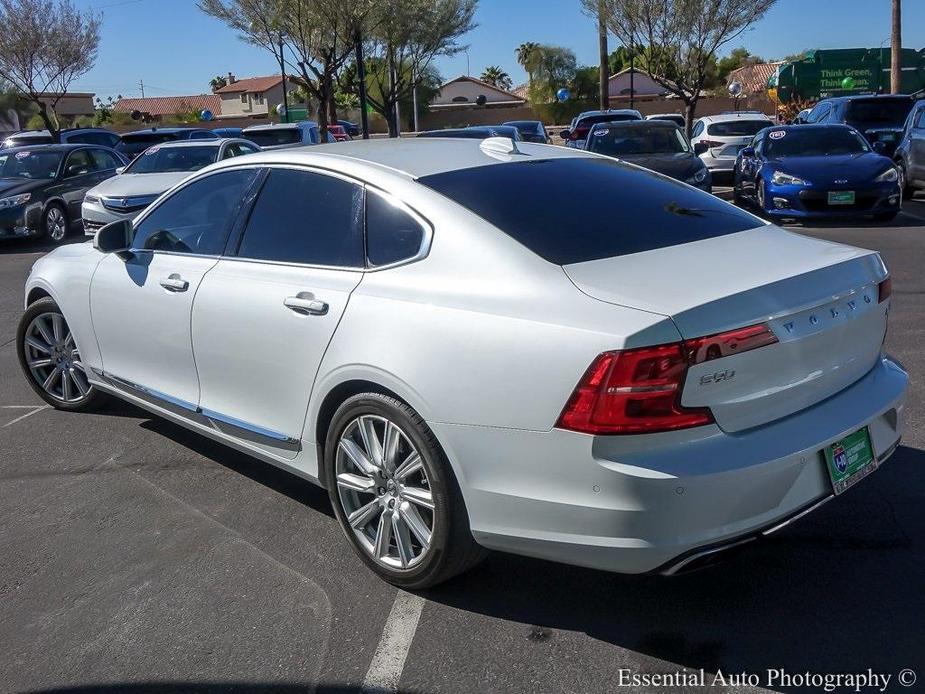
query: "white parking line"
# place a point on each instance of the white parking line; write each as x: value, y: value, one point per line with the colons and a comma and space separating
x: 34, y: 408
x: 385, y: 670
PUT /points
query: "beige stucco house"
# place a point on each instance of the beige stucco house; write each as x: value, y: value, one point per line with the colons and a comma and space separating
x: 254, y: 97
x: 464, y: 91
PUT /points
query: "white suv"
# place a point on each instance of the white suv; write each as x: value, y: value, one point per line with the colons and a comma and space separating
x: 718, y: 139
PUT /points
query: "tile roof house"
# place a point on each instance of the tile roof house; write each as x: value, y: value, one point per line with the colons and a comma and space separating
x: 753, y: 78
x: 253, y: 97
x: 157, y: 107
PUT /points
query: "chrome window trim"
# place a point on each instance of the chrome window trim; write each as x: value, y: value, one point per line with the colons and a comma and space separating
x: 422, y: 253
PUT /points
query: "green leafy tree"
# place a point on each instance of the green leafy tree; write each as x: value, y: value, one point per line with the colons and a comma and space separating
x: 679, y: 40
x: 555, y: 67
x: 497, y: 77
x: 739, y: 57
x: 47, y: 45
x: 527, y: 56
x: 585, y: 85
x: 218, y: 82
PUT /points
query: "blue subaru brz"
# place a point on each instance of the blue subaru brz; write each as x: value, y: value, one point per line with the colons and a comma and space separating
x: 806, y: 171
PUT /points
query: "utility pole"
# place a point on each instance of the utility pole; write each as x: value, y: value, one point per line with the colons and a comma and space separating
x: 604, y: 67
x: 632, y: 75
x: 282, y: 69
x: 896, y: 56
x: 141, y: 85
x: 361, y: 78
x: 414, y: 100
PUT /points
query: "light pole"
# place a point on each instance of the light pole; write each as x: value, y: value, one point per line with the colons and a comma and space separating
x: 896, y: 49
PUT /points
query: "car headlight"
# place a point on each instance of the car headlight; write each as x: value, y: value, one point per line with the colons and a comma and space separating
x: 888, y: 176
x: 14, y: 200
x: 92, y: 199
x: 784, y: 179
x: 698, y: 177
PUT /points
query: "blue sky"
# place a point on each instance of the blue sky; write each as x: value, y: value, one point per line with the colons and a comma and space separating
x: 176, y: 50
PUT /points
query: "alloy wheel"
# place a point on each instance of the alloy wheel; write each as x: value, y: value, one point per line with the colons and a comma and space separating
x: 56, y: 224
x: 53, y: 359
x: 384, y: 492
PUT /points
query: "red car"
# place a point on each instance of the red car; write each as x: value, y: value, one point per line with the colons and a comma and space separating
x: 339, y: 133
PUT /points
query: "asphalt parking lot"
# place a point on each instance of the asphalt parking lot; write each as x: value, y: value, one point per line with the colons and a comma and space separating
x: 138, y: 557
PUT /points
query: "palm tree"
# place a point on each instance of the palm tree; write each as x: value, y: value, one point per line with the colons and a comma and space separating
x: 218, y: 82
x: 527, y: 56
x: 497, y: 77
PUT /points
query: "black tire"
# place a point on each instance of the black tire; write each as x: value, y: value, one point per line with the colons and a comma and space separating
x: 452, y: 549
x: 886, y: 216
x: 53, y: 218
x: 27, y: 353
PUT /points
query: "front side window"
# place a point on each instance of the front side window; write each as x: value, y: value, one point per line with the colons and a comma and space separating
x: 698, y: 128
x: 654, y: 212
x: 78, y: 164
x: 921, y: 121
x: 104, y: 161
x: 198, y: 217
x: 237, y: 149
x: 392, y: 234
x: 307, y: 218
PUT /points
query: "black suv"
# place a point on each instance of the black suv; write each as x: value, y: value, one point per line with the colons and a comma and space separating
x: 67, y: 136
x: 910, y: 154
x: 879, y: 117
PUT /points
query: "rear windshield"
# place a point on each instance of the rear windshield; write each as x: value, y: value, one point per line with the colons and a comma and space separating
x: 136, y: 144
x: 878, y: 111
x: 737, y: 128
x: 271, y: 138
x: 26, y: 140
x: 173, y: 159
x: 576, y: 209
x: 625, y: 141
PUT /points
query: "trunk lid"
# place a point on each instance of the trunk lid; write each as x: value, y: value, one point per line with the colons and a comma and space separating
x: 820, y: 299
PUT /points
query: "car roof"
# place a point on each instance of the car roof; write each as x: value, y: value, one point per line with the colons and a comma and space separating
x: 281, y: 126
x: 637, y: 124
x: 868, y: 97
x: 617, y: 111
x: 217, y: 142
x: 738, y: 115
x: 56, y: 147
x: 150, y: 131
x: 408, y: 157
x: 515, y: 123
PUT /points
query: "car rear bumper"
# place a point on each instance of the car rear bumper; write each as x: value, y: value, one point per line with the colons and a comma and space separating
x: 636, y: 504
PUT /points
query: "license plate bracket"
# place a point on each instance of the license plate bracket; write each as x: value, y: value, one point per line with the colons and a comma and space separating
x: 850, y: 460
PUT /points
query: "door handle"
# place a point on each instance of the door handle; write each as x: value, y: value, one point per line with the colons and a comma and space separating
x: 306, y: 304
x: 174, y: 283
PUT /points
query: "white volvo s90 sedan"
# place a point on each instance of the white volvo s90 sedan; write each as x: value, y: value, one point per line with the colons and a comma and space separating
x: 465, y: 362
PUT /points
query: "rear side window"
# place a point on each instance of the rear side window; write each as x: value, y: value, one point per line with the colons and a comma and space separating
x: 618, y: 209
x: 307, y: 218
x: 392, y: 235
x: 737, y: 128
x: 95, y: 138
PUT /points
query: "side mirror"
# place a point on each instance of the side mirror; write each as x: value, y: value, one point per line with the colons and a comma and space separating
x: 119, y: 170
x: 565, y: 134
x: 879, y: 147
x: 700, y: 148
x: 115, y: 237
x: 748, y: 151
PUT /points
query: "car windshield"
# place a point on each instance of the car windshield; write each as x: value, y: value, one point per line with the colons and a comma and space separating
x: 159, y: 159
x: 625, y: 141
x: 879, y: 111
x: 737, y: 128
x: 274, y: 137
x: 813, y: 142
x: 29, y: 164
x: 654, y: 212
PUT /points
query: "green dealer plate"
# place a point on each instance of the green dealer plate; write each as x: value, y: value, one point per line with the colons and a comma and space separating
x: 850, y: 460
x: 841, y: 197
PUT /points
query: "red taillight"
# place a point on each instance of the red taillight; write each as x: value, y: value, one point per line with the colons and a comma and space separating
x: 637, y: 391
x: 712, y: 143
x: 885, y: 289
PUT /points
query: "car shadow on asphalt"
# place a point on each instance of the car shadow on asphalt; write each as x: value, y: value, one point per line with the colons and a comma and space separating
x: 34, y: 245
x: 839, y: 591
